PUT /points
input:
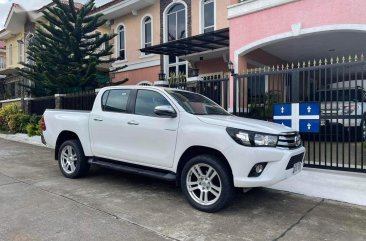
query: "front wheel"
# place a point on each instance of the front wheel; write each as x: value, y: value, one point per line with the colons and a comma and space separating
x: 71, y: 159
x: 207, y: 183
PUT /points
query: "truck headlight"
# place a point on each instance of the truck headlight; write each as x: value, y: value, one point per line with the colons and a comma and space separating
x: 265, y: 140
x: 249, y: 138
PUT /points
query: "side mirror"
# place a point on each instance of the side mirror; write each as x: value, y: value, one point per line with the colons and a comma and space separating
x: 165, y: 110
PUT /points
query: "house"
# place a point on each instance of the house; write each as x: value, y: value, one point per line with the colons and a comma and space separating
x: 155, y: 40
x: 158, y: 39
x: 15, y: 35
x: 19, y: 30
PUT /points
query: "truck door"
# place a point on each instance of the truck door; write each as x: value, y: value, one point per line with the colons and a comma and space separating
x: 108, y: 125
x: 151, y: 138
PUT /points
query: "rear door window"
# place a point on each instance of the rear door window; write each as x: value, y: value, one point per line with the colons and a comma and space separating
x: 115, y: 100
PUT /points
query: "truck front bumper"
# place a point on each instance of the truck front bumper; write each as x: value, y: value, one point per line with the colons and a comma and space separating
x: 242, y: 159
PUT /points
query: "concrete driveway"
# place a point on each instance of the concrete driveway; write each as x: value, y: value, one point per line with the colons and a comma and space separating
x: 38, y: 203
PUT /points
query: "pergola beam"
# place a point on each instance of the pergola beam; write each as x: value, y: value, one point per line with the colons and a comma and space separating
x: 194, y: 44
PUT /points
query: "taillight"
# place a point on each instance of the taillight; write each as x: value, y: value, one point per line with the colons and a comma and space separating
x: 43, y: 123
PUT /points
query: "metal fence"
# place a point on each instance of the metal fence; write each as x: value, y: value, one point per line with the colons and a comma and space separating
x: 74, y: 101
x: 216, y: 89
x: 79, y: 101
x: 39, y: 105
x: 337, y: 84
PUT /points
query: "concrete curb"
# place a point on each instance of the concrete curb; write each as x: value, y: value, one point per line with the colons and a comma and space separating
x: 24, y: 138
x: 340, y: 186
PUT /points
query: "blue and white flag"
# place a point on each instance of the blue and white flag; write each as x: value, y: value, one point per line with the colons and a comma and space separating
x: 303, y: 117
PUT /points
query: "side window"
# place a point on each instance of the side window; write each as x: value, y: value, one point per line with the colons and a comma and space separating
x: 115, y: 100
x: 147, y: 100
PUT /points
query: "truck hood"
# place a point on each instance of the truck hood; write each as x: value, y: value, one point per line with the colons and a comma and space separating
x: 245, y: 124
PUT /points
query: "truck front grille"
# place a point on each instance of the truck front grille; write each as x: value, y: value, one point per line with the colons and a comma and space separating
x: 290, y: 140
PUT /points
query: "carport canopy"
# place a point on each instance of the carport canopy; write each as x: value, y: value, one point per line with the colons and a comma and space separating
x: 196, y: 44
x: 318, y: 46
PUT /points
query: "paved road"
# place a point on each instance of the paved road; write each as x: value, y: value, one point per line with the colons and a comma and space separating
x: 38, y: 203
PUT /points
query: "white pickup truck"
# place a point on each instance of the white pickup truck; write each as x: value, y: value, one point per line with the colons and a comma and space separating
x: 173, y: 135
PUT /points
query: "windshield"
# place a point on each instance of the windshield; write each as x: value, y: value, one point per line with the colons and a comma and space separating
x: 196, y: 104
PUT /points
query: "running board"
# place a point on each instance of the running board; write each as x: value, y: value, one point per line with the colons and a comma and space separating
x: 134, y: 169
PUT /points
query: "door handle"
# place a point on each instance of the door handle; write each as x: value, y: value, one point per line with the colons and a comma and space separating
x: 132, y: 122
x: 97, y: 119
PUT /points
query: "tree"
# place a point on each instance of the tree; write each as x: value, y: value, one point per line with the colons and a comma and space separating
x: 66, y: 48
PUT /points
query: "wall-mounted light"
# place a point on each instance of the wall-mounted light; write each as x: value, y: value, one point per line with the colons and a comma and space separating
x: 162, y: 75
x: 195, y: 72
x: 230, y: 66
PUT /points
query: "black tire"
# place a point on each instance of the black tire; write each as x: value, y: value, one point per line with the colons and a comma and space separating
x: 81, y: 164
x: 225, y: 177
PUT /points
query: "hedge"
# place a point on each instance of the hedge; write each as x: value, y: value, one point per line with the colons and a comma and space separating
x: 14, y: 121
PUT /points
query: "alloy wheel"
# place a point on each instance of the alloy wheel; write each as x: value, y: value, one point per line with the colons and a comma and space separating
x: 68, y: 159
x: 203, y: 184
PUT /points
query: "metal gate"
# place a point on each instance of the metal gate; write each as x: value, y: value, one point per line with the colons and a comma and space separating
x: 337, y: 84
x: 215, y: 89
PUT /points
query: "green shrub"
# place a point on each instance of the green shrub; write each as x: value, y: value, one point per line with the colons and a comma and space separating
x: 5, y: 113
x: 34, y: 126
x: 33, y: 129
x: 11, y: 119
x: 18, y: 122
x: 34, y: 119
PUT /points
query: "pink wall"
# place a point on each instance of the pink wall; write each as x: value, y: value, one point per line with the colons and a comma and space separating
x: 263, y: 57
x: 138, y: 75
x: 276, y: 20
x: 212, y: 66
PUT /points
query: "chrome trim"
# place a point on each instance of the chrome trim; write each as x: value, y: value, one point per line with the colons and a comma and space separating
x: 289, y: 140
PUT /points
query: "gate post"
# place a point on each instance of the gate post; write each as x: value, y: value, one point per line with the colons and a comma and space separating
x: 234, y: 76
x: 27, y: 106
x: 295, y: 85
x: 226, y: 89
x: 58, y: 101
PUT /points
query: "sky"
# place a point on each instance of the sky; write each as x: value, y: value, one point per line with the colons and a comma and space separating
x: 31, y: 5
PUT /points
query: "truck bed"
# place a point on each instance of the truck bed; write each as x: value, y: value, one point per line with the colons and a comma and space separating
x: 75, y: 121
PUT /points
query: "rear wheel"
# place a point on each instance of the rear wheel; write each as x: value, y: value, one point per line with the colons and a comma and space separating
x: 207, y: 183
x: 71, y: 159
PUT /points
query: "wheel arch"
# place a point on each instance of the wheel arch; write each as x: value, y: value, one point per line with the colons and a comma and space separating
x: 200, y: 150
x: 65, y: 136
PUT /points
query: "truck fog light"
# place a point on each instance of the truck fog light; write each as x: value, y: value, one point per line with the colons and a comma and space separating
x: 257, y: 169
